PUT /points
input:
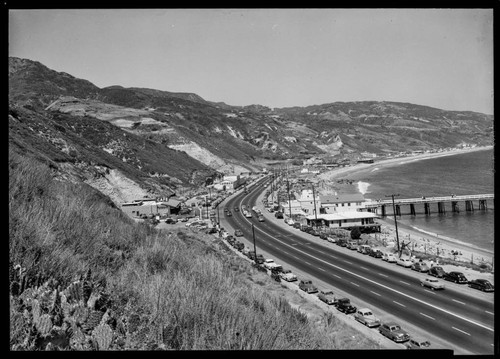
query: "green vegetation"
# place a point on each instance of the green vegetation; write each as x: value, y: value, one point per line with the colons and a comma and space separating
x: 83, y: 276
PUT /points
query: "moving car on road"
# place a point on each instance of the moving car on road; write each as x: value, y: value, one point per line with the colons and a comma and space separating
x: 394, y: 332
x: 238, y: 233
x: 432, y: 283
x: 365, y: 316
x: 482, y: 284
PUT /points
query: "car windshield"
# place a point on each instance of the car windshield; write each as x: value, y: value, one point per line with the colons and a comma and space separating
x: 368, y: 313
x: 395, y: 327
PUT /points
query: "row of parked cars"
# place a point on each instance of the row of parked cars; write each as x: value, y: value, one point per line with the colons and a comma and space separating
x: 365, y: 316
x: 417, y: 265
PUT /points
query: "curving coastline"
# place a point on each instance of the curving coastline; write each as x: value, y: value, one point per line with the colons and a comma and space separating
x: 421, y: 240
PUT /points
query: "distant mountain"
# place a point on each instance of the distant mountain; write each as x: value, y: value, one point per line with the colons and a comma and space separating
x: 151, y: 134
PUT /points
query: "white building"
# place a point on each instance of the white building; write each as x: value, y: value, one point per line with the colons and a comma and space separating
x: 345, y: 220
x: 308, y: 203
x: 342, y: 203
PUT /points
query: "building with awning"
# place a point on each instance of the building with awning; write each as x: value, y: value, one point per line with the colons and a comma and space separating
x: 365, y: 221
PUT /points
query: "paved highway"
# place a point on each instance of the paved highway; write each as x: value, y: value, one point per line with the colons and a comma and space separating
x: 461, y: 316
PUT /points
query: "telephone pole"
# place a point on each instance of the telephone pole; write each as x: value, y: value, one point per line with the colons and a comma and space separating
x: 254, y: 248
x: 395, y: 221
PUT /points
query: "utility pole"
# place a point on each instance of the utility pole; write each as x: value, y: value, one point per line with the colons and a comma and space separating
x: 206, y: 205
x: 289, y: 203
x: 254, y: 248
x: 315, y: 213
x: 395, y: 221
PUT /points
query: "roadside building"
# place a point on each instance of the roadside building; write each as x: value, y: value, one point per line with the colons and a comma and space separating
x: 346, y: 220
x: 349, y: 202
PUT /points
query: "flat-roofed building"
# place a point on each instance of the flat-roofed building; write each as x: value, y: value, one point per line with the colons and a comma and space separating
x: 350, y: 202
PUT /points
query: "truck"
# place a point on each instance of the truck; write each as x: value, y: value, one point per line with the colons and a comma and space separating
x: 307, y: 286
x: 344, y: 305
x: 271, y: 264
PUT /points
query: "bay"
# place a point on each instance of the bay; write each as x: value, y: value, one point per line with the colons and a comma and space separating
x: 460, y: 174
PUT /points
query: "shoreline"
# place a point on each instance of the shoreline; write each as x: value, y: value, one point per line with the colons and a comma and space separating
x: 387, y: 162
x: 420, y: 240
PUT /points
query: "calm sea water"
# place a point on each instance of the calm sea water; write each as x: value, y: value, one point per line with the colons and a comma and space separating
x: 461, y: 174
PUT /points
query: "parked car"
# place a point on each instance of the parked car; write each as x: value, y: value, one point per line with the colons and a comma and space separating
x: 432, y: 283
x: 331, y: 239
x: 345, y: 306
x: 286, y: 274
x: 270, y: 264
x: 436, y: 271
x: 296, y: 225
x: 389, y: 257
x: 418, y: 343
x: 238, y: 233
x: 327, y: 296
x: 275, y: 275
x: 457, y: 277
x: 404, y: 262
x: 364, y: 249
x: 261, y: 218
x: 171, y: 220
x: 323, y: 235
x: 342, y: 242
x: 352, y: 245
x: 420, y: 267
x: 278, y: 215
x: 365, y: 316
x: 394, y: 332
x: 482, y: 284
x: 307, y: 286
x: 238, y: 245
x: 376, y: 253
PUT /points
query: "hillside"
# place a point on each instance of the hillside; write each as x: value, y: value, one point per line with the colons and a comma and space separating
x: 167, y: 140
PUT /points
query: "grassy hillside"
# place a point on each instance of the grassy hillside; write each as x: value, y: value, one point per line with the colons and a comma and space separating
x: 83, y: 276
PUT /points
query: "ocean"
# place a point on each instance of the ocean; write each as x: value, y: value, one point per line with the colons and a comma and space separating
x: 460, y: 174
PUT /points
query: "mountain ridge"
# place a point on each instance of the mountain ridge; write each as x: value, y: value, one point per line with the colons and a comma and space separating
x: 219, y: 138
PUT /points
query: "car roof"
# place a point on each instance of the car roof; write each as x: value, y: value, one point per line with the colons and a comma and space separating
x: 364, y: 309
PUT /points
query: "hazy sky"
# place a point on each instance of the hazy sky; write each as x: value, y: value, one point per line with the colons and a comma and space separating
x: 272, y: 57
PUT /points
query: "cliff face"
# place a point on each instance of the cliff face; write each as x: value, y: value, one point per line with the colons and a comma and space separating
x: 166, y: 140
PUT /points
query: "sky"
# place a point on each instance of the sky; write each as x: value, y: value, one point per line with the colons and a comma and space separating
x: 441, y: 58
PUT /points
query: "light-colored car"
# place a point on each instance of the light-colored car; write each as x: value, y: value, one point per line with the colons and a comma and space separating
x: 331, y: 239
x: 432, y: 283
x: 287, y: 275
x: 394, y: 332
x: 364, y: 249
x: 366, y: 316
x: 327, y: 296
x: 418, y: 343
x: 389, y: 257
x: 404, y: 262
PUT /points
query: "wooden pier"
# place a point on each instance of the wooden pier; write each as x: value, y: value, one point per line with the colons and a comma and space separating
x: 454, y: 203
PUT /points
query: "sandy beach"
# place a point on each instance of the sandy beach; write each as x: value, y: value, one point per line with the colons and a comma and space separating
x: 450, y: 254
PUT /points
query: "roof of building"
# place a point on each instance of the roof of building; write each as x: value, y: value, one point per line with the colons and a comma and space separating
x: 344, y: 215
x: 342, y: 198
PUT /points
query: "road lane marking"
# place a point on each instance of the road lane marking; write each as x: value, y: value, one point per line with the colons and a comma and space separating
x: 399, y: 303
x: 357, y: 285
x: 337, y: 276
x: 405, y: 282
x: 461, y: 331
x: 382, y: 285
x: 347, y: 262
x: 457, y: 301
x: 383, y: 275
x: 307, y: 262
x: 428, y: 316
x: 324, y: 270
x: 376, y: 293
x: 363, y: 268
x: 489, y: 312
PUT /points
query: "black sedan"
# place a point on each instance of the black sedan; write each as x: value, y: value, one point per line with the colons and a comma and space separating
x: 436, y: 271
x: 482, y: 284
x: 457, y: 277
